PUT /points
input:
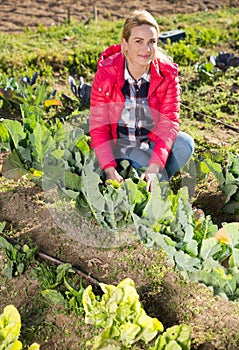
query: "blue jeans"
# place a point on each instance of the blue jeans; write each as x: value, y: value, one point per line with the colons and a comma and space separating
x: 182, y: 150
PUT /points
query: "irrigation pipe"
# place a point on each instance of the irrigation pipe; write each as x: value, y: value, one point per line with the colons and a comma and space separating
x: 56, y: 261
x: 234, y: 128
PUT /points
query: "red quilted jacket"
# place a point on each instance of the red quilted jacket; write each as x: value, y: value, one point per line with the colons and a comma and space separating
x: 107, y: 101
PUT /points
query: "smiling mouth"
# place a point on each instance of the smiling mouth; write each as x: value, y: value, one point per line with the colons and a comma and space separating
x: 145, y: 56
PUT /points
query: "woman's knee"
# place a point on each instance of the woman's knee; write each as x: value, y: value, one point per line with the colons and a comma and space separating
x: 185, y: 142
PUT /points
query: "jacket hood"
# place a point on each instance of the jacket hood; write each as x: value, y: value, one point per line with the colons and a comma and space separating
x: 109, y: 54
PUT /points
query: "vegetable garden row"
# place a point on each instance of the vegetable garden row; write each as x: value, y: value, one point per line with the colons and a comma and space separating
x: 52, y: 150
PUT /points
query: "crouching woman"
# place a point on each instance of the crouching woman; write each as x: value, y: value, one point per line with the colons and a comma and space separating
x: 135, y: 104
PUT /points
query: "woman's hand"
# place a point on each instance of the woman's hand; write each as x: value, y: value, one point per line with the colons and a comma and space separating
x: 112, y: 174
x: 150, y: 175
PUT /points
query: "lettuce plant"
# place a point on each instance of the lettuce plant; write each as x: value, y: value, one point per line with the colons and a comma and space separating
x: 120, y: 314
x: 177, y: 337
x: 10, y: 326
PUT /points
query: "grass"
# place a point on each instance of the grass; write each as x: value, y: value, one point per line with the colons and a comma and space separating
x: 54, y: 56
x: 74, y: 49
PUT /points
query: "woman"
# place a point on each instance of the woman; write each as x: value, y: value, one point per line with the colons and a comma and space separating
x: 135, y: 103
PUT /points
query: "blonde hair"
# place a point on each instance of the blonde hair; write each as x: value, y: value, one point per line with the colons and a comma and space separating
x: 138, y: 18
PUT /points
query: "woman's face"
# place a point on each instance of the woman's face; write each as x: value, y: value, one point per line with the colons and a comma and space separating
x: 141, y: 47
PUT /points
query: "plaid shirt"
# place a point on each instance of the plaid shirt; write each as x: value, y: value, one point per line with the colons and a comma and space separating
x: 136, y: 120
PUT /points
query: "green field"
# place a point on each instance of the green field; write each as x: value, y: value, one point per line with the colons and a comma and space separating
x: 170, y: 254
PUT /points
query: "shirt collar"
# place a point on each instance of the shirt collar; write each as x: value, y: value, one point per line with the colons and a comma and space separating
x: 127, y: 76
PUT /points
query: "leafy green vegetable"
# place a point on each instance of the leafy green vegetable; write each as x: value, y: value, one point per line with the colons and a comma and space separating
x: 174, y: 338
x: 13, y: 167
x: 55, y: 154
x: 120, y: 314
x: 15, y: 131
x: 228, y: 180
x: 216, y: 253
x: 42, y: 143
x: 50, y: 279
x: 18, y: 257
x: 2, y: 226
x: 10, y: 326
x: 74, y: 296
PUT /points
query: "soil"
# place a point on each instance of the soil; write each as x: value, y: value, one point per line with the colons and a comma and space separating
x: 19, y: 14
x: 163, y: 293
